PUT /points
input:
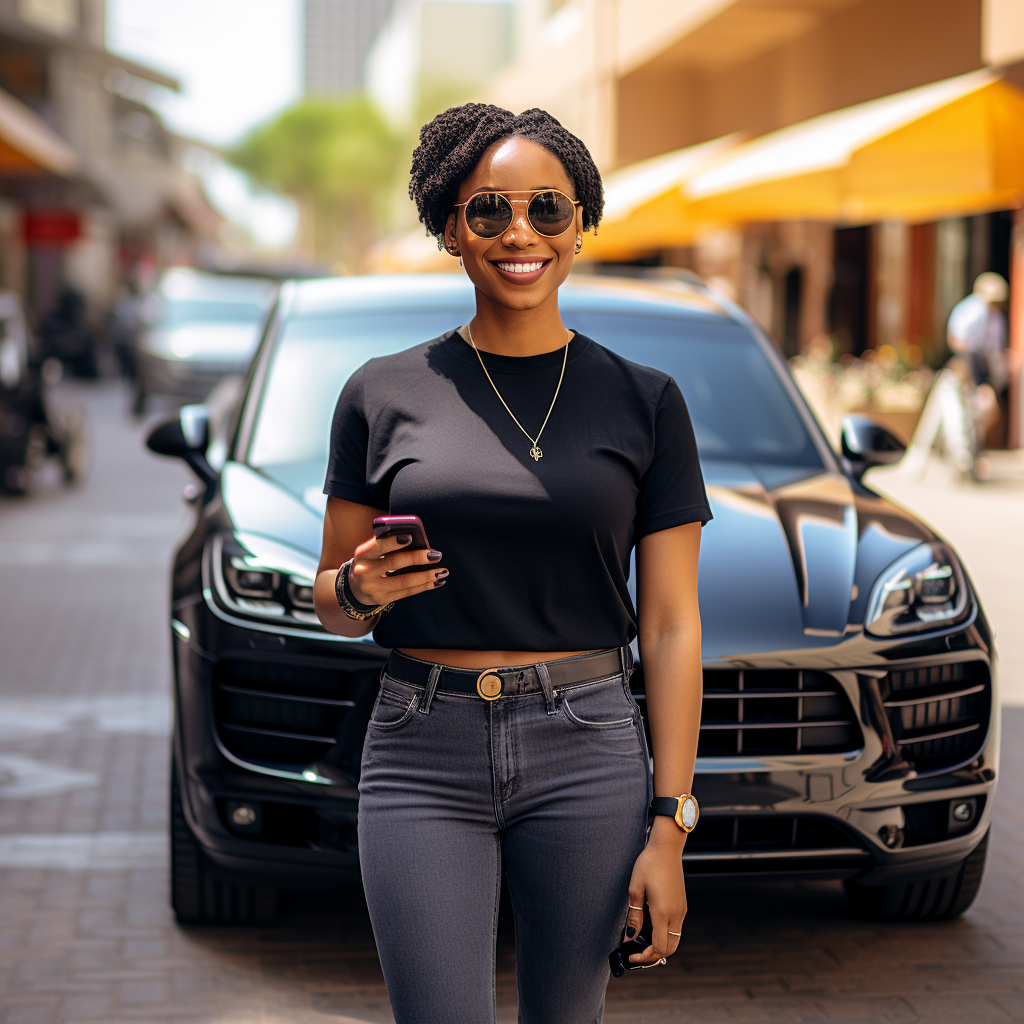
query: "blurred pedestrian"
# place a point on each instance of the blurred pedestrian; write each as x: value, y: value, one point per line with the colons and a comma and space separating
x: 963, y: 404
x: 977, y: 335
x: 505, y: 735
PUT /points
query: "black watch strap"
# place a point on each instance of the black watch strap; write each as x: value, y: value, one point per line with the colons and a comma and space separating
x: 665, y: 805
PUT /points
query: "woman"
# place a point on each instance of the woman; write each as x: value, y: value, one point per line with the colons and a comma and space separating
x: 504, y: 735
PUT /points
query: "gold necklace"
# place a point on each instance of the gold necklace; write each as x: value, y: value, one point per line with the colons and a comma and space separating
x: 535, y: 452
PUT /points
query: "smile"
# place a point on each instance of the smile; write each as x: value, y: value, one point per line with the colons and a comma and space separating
x: 520, y: 268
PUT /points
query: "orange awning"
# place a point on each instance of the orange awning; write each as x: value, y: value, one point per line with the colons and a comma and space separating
x: 28, y: 145
x: 645, y: 206
x: 947, y: 149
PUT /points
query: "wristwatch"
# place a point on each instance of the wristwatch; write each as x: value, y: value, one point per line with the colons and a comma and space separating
x: 683, y: 810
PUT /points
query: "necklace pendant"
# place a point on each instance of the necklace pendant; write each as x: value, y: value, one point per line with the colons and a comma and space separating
x: 536, y: 454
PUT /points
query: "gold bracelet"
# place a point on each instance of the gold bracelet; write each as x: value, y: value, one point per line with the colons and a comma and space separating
x: 354, y: 610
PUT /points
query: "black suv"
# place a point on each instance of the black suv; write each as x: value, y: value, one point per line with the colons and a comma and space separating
x: 850, y: 722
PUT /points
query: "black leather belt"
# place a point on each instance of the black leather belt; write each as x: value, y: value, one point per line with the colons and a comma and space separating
x: 506, y: 681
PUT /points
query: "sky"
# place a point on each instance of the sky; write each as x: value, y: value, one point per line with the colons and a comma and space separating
x: 239, y: 62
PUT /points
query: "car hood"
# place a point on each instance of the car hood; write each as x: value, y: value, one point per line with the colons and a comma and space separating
x: 254, y: 503
x: 787, y: 562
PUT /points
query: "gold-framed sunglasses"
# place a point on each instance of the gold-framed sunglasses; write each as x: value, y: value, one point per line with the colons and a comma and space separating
x: 550, y: 212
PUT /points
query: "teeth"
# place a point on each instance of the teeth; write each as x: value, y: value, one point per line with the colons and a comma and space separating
x: 520, y: 268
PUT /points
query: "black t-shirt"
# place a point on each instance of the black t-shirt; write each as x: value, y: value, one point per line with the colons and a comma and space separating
x: 538, y: 551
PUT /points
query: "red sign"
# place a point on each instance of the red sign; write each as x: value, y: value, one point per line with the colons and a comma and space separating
x: 51, y: 227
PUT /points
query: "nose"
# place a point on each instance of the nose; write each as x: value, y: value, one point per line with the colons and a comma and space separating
x: 519, y: 234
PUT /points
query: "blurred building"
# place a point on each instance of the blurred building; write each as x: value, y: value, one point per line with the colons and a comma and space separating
x: 645, y: 78
x: 90, y: 181
x: 433, y: 52
x: 337, y: 37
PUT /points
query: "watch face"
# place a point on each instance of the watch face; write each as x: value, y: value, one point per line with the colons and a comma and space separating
x: 688, y: 813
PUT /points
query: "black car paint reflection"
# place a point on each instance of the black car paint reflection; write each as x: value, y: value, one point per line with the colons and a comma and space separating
x: 824, y: 752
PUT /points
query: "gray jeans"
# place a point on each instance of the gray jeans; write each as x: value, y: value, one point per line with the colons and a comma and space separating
x: 555, y: 789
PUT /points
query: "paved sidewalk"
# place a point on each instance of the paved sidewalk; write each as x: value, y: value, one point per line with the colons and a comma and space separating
x: 84, y: 937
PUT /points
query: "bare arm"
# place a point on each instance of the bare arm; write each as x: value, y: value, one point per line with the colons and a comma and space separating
x: 669, y: 624
x: 348, y: 533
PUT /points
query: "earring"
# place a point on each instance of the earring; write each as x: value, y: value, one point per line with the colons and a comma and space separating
x: 579, y: 243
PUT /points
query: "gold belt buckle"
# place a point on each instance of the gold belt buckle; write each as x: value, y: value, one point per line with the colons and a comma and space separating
x: 488, y: 684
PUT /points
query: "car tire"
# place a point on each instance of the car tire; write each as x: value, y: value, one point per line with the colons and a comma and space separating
x: 932, y: 898
x: 199, y: 895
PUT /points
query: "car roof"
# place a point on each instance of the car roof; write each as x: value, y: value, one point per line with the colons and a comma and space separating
x: 188, y: 283
x: 394, y: 293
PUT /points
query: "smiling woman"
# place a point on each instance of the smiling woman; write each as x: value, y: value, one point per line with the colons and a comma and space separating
x: 505, y: 737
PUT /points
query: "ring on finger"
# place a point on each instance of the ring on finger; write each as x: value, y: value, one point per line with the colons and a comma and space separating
x: 678, y: 935
x: 657, y: 963
x: 631, y: 907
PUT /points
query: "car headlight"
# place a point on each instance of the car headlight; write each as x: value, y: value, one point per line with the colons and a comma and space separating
x: 923, y: 589
x: 262, y: 578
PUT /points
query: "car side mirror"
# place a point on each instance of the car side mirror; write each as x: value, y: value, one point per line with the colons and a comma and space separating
x: 186, y: 437
x: 866, y: 444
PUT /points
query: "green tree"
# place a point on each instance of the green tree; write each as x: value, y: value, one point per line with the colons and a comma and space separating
x: 337, y: 158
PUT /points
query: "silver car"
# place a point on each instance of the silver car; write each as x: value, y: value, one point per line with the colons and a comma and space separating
x: 198, y: 328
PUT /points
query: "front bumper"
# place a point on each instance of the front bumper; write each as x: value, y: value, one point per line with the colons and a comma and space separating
x: 863, y: 814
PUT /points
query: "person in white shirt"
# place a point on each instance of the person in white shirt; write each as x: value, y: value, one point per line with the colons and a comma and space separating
x: 977, y: 330
x: 963, y: 402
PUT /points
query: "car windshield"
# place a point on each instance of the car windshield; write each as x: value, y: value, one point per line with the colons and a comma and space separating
x: 739, y: 407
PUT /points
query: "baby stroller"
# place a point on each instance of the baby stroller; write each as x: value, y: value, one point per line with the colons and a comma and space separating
x: 30, y: 432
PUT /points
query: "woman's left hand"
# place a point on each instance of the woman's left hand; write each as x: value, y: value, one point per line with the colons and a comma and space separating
x: 658, y: 879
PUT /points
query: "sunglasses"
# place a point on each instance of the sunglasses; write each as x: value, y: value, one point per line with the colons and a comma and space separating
x: 550, y: 212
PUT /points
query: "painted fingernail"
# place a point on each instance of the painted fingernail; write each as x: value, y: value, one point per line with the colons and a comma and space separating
x: 440, y: 574
x: 440, y: 583
x: 433, y: 556
x: 405, y: 539
x: 630, y: 931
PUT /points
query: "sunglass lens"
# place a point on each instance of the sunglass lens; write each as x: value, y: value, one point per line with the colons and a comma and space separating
x: 488, y: 214
x: 551, y: 212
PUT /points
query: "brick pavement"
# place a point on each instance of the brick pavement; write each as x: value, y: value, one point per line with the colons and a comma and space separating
x: 81, y: 946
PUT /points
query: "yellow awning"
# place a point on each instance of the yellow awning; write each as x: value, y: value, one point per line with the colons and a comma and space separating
x: 28, y: 144
x: 644, y: 205
x: 951, y: 148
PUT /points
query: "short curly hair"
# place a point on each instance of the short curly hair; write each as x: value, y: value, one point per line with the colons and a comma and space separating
x: 453, y: 142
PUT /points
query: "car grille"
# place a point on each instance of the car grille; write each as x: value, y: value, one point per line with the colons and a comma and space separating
x: 775, y: 712
x: 748, y: 842
x: 282, y: 715
x: 938, y: 713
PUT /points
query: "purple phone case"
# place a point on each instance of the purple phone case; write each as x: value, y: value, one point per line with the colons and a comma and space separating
x: 384, y: 526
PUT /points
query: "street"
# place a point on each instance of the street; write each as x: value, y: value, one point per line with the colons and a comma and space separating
x: 86, y: 933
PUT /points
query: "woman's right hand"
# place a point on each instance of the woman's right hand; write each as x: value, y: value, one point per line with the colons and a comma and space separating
x: 374, y: 560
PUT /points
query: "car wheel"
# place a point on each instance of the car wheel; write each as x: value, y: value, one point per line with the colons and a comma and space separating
x: 933, y: 898
x: 198, y: 894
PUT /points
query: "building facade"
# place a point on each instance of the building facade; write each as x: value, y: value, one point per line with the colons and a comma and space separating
x: 433, y: 52
x: 337, y: 36
x: 640, y: 78
x: 91, y: 184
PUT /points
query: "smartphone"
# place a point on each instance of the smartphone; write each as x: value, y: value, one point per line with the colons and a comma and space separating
x: 618, y: 958
x: 392, y: 526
